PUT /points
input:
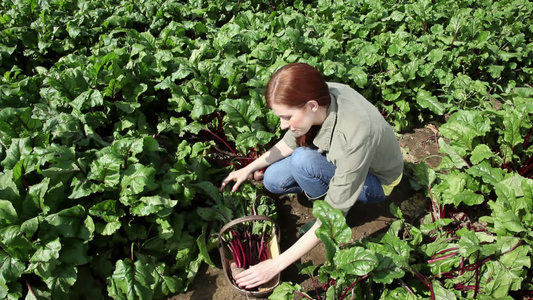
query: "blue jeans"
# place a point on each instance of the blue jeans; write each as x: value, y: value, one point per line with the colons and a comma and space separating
x: 309, y: 171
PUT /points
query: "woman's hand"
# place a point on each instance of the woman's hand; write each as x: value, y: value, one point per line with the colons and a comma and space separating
x: 276, y: 153
x: 264, y: 271
x: 258, y: 274
x: 239, y: 176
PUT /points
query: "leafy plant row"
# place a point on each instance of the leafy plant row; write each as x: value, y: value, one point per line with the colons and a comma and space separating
x: 117, y: 118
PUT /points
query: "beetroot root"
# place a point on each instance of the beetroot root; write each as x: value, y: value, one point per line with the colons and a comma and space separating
x: 235, y: 270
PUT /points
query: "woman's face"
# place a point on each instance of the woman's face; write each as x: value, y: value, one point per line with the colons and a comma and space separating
x: 298, y: 120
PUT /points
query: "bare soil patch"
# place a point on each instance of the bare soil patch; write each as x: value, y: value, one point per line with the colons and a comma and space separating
x: 295, y: 211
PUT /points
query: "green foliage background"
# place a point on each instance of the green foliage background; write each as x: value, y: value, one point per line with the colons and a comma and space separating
x: 112, y: 111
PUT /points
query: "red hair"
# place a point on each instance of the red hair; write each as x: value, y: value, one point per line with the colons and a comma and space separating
x: 294, y: 85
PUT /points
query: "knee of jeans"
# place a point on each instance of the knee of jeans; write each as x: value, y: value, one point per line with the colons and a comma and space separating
x: 270, y: 181
x: 300, y: 157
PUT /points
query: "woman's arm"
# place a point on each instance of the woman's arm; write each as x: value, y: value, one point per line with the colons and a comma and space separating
x: 266, y: 270
x: 279, y: 151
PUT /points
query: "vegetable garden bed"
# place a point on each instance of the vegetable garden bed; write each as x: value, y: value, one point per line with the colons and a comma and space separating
x: 118, y: 119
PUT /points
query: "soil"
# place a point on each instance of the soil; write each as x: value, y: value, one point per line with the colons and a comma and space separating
x: 295, y: 211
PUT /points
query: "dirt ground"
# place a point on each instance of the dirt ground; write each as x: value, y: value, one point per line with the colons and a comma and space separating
x: 364, y: 219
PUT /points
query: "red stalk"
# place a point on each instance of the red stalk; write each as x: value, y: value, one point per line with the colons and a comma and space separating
x: 303, y: 295
x: 462, y: 265
x: 443, y: 257
x: 353, y: 285
x: 476, y: 287
x: 445, y: 250
x: 223, y: 141
x: 425, y: 280
x: 234, y: 253
x: 528, y: 165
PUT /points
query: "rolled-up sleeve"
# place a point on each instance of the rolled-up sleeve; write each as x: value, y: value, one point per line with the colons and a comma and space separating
x: 290, y: 139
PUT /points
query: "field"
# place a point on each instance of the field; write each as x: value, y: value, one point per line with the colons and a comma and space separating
x: 119, y: 119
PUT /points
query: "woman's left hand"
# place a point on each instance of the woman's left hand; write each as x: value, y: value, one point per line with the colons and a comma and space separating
x: 257, y: 275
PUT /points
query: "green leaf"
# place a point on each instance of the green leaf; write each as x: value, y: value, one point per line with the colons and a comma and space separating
x: 63, y: 278
x: 131, y: 280
x: 11, y: 268
x: 512, y: 122
x: 285, y: 291
x: 69, y: 83
x: 469, y: 242
x: 47, y: 252
x: 495, y: 71
x: 15, y: 242
x: 8, y: 212
x: 397, y: 248
x: 108, y: 228
x: 468, y: 197
x: 74, y: 252
x: 203, y: 247
x: 441, y: 293
x: 17, y: 123
x: 34, y: 202
x: 88, y: 100
x: 252, y: 140
x: 136, y: 179
x: 511, y: 221
x: 108, y: 210
x: 480, y: 153
x: 17, y: 151
x: 263, y: 52
x: 152, y: 204
x: 436, y: 55
x: 461, y: 136
x: 454, y: 159
x: 127, y: 107
x: 164, y: 283
x: 132, y: 95
x: 239, y: 112
x: 106, y: 168
x: 359, y: 76
x: 72, y: 222
x: 487, y: 173
x: 8, y: 188
x: 60, y: 159
x: 333, y: 230
x: 387, y: 269
x: 203, y: 105
x: 65, y: 128
x: 426, y: 100
x: 356, y: 260
x: 517, y: 183
x: 399, y: 293
x: 505, y: 274
x: 209, y: 189
x: 83, y: 188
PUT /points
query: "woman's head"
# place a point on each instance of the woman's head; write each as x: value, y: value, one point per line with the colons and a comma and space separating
x: 295, y: 84
x: 298, y: 94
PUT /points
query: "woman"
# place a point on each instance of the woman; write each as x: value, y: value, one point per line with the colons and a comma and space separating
x: 338, y: 147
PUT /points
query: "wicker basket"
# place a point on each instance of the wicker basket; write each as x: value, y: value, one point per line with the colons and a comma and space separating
x: 227, y: 257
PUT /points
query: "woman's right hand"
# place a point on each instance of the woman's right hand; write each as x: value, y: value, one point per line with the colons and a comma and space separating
x: 239, y: 176
x: 256, y: 168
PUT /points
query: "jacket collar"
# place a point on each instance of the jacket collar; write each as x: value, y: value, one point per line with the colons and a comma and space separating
x: 324, y: 135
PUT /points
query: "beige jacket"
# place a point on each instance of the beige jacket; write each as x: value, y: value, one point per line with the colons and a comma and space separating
x: 357, y: 140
